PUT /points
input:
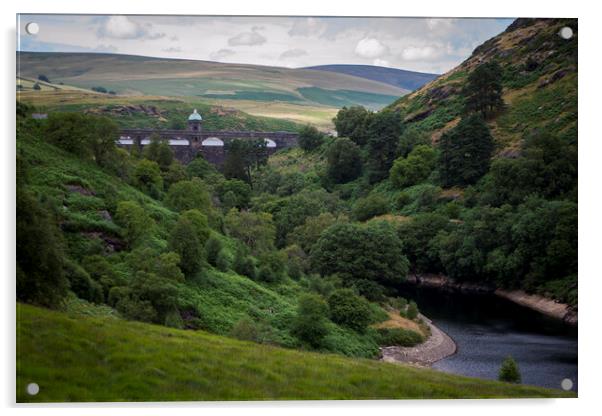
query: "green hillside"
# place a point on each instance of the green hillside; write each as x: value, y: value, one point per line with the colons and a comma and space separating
x: 138, y: 75
x: 539, y: 80
x: 76, y: 359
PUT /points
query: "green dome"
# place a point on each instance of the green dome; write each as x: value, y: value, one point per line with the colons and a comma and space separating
x: 195, y: 116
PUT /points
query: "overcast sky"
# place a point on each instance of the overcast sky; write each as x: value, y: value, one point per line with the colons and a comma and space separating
x: 419, y: 44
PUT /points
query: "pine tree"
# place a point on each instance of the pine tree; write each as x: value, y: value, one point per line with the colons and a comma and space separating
x: 483, y: 92
x: 465, y: 152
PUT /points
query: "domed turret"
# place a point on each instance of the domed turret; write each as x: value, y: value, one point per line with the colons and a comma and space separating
x: 194, y: 121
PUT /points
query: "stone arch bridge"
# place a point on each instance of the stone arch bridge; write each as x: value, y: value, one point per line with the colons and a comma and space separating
x: 187, y: 144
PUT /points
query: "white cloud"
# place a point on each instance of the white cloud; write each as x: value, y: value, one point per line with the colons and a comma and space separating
x: 381, y: 62
x: 420, y: 53
x: 293, y: 53
x: 248, y: 38
x: 370, y: 48
x: 221, y: 54
x: 121, y: 27
x: 309, y: 26
x: 172, y: 49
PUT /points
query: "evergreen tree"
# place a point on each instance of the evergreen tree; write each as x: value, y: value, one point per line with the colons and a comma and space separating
x: 465, y: 152
x: 509, y: 371
x: 483, y: 91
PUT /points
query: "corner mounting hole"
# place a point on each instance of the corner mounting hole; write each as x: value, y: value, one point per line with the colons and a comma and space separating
x: 566, y: 33
x: 566, y: 384
x: 32, y: 28
x: 33, y: 389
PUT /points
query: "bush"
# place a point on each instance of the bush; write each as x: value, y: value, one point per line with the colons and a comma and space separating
x: 412, y: 311
x: 134, y: 221
x: 184, y: 241
x: 272, y: 267
x: 509, y: 371
x: 399, y: 337
x: 369, y: 207
x: 222, y: 262
x: 310, y: 323
x: 212, y: 250
x: 147, y: 177
x: 369, y: 289
x: 82, y: 284
x: 234, y: 193
x: 244, y: 265
x: 349, y: 310
x: 246, y: 330
x: 413, y: 169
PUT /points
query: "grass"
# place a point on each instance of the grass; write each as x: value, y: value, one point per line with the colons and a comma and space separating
x: 75, y: 358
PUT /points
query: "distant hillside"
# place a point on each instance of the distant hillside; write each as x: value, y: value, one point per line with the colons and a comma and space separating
x: 138, y: 75
x: 79, y: 358
x: 539, y: 79
x: 401, y: 78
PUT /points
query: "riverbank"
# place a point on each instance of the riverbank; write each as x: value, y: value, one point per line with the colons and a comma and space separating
x: 541, y: 304
x: 438, y: 346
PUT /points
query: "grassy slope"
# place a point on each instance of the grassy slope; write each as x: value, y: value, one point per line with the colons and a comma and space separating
x: 105, y: 359
x: 172, y: 77
x: 530, y: 104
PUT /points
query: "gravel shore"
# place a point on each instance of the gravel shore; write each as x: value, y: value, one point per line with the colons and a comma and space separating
x: 438, y: 346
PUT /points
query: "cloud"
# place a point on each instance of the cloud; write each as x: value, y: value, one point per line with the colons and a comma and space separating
x: 106, y: 48
x: 420, y: 53
x: 292, y: 53
x: 309, y: 26
x: 248, y: 38
x: 370, y: 48
x: 221, y: 54
x: 381, y: 62
x: 121, y: 27
x: 172, y: 49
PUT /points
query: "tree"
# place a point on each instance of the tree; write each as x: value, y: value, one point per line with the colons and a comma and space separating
x: 36, y: 86
x: 200, y: 224
x: 465, y: 152
x: 234, y: 193
x: 410, y: 138
x: 414, y: 168
x: 256, y: 230
x: 69, y: 131
x: 384, y: 130
x: 40, y: 256
x: 349, y: 310
x: 102, y: 132
x: 158, y: 150
x: 176, y: 172
x: 418, y: 241
x: 212, y: 250
x: 310, y: 138
x: 272, y: 267
x: 352, y: 122
x: 200, y: 168
x: 147, y: 177
x: 355, y: 251
x: 134, y: 221
x: 412, y: 311
x: 184, y: 241
x: 242, y: 156
x: 483, y: 90
x: 307, y: 234
x: 186, y: 195
x: 344, y: 161
x: 371, y: 206
x: 310, y: 323
x: 509, y: 371
x: 44, y: 78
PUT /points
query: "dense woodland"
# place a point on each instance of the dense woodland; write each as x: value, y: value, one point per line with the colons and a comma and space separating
x: 306, y: 248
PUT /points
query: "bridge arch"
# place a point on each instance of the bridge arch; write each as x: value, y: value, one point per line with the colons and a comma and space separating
x: 212, y: 141
x: 269, y: 143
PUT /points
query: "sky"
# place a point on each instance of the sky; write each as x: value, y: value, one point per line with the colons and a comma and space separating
x: 419, y: 44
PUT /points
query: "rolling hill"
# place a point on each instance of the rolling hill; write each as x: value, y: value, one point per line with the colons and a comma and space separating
x: 139, y: 75
x: 539, y: 79
x: 67, y: 355
x: 401, y: 78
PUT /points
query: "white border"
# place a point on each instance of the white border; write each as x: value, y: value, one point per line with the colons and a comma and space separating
x: 589, y: 208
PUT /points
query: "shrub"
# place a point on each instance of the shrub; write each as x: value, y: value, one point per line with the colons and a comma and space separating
x: 349, y: 310
x: 82, y: 284
x: 222, y: 262
x: 371, y: 206
x: 369, y: 289
x: 398, y: 336
x: 412, y: 311
x: 256, y: 230
x: 244, y: 265
x: 413, y: 169
x: 212, y: 250
x: 184, y: 241
x: 147, y: 177
x: 509, y: 371
x: 245, y: 329
x: 310, y: 323
x: 134, y: 221
x: 272, y: 267
x: 234, y: 193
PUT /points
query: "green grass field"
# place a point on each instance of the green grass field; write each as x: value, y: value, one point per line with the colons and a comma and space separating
x: 79, y: 358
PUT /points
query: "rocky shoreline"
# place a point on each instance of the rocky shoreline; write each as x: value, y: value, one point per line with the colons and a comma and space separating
x: 541, y: 304
x: 438, y: 346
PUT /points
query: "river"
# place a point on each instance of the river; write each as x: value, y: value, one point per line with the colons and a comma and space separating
x: 487, y: 329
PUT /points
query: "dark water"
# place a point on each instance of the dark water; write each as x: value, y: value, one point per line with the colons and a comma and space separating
x: 487, y: 329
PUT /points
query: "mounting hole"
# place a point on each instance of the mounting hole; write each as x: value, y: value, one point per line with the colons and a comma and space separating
x: 33, y: 389
x: 566, y: 384
x: 566, y: 33
x: 32, y: 28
